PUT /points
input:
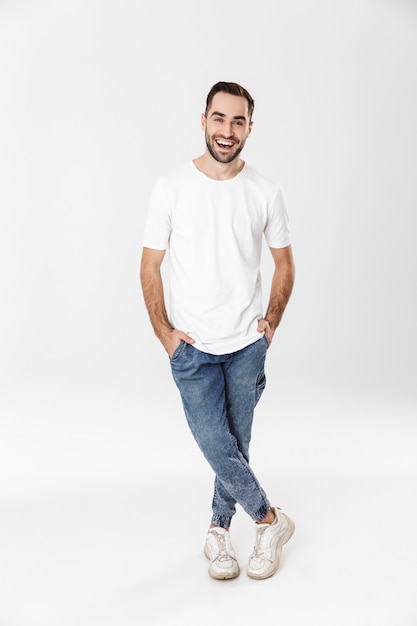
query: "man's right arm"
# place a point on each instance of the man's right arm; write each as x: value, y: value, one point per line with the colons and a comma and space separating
x: 153, y: 293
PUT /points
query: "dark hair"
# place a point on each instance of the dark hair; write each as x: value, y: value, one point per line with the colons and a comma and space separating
x: 235, y: 90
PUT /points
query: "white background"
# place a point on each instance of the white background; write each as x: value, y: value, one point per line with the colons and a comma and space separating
x: 97, y: 469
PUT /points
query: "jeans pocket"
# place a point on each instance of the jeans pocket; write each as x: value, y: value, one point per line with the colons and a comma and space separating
x: 266, y: 341
x: 178, y: 351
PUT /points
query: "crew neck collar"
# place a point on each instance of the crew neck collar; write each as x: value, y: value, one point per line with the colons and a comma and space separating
x: 219, y: 180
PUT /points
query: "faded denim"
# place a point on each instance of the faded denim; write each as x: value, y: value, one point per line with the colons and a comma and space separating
x: 219, y: 394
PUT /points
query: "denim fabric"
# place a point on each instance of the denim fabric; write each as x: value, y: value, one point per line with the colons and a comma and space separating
x: 219, y: 394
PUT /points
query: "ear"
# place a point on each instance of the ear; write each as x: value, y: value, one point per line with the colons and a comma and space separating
x: 203, y: 121
x: 250, y: 128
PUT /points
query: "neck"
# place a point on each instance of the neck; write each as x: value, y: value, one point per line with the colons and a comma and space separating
x: 219, y: 171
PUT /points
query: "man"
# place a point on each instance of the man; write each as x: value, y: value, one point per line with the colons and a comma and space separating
x: 212, y: 215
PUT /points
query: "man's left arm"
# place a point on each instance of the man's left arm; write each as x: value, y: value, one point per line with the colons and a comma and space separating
x: 281, y: 288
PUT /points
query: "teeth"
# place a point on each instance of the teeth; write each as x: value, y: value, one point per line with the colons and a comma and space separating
x: 224, y: 143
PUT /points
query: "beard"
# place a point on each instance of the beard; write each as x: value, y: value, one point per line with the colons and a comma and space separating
x: 223, y: 158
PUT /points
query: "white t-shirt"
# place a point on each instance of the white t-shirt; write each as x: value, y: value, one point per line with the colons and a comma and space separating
x: 213, y: 230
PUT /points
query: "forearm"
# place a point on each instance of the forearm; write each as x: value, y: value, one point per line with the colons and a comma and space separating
x: 281, y: 289
x: 153, y: 294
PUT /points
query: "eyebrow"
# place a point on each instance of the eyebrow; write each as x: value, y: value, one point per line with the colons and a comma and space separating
x: 235, y: 117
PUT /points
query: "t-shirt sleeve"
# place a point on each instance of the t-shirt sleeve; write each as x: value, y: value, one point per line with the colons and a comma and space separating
x: 158, y: 220
x: 277, y: 233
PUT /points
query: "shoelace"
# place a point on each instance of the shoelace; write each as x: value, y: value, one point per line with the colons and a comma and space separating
x: 258, y: 550
x: 223, y: 555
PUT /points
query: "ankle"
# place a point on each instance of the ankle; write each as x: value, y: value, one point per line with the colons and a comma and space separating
x: 215, y: 526
x: 269, y: 518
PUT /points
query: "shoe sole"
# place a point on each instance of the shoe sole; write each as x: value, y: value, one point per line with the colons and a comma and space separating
x: 286, y: 537
x: 226, y: 575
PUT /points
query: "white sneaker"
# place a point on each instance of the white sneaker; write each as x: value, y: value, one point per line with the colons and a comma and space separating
x: 219, y: 549
x: 266, y: 555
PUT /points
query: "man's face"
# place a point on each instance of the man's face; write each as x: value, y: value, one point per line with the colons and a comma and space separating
x: 226, y: 126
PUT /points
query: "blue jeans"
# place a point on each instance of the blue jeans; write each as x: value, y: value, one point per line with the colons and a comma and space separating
x: 219, y: 394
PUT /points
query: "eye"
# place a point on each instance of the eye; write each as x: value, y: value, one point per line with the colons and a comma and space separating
x: 238, y: 123
x: 218, y: 119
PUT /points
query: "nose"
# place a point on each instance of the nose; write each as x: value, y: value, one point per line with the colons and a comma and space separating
x: 228, y: 130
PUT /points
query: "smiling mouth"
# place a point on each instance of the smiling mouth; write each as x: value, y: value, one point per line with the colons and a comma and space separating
x: 224, y: 145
